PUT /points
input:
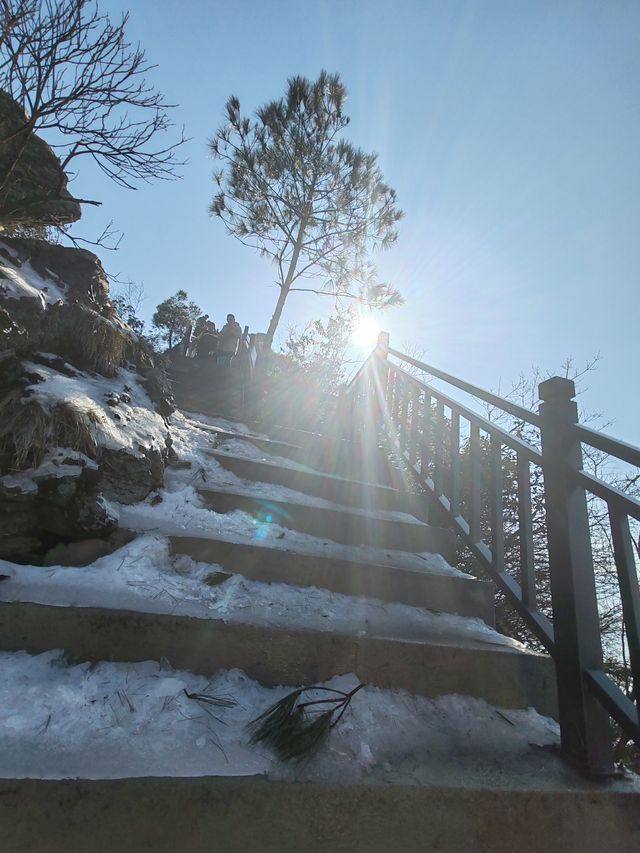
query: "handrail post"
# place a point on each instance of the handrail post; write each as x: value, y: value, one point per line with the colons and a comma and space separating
x: 585, y: 735
x: 380, y: 373
x: 382, y: 345
x: 377, y: 413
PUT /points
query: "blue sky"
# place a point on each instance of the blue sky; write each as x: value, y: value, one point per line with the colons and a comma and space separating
x: 510, y: 130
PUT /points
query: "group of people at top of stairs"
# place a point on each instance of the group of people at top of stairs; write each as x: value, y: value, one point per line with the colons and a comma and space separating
x: 206, y: 341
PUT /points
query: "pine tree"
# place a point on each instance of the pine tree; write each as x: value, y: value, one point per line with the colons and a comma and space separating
x: 317, y: 206
x: 173, y: 316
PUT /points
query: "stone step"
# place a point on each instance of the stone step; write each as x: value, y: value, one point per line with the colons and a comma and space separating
x: 268, y: 445
x: 446, y: 593
x: 345, y: 459
x: 331, y: 487
x: 241, y: 814
x: 353, y: 460
x: 428, y: 664
x: 284, y: 433
x: 340, y: 524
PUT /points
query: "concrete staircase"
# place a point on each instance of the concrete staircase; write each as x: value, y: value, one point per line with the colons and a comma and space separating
x: 246, y: 814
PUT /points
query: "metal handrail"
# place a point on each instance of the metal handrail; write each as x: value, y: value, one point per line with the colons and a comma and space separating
x: 508, y: 438
x: 612, y: 446
x: 412, y: 417
x: 469, y: 388
x: 594, y: 438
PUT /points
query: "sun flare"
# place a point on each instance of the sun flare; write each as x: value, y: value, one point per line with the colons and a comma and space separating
x: 365, y: 333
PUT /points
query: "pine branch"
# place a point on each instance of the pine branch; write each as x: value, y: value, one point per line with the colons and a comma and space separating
x: 294, y: 729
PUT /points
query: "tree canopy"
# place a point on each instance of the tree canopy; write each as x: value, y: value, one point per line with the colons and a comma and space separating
x: 313, y: 203
x: 173, y: 316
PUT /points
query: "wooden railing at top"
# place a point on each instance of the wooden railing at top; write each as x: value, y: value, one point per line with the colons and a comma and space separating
x: 409, y: 414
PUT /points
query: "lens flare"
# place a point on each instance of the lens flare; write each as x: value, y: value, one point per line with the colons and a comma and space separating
x: 365, y: 333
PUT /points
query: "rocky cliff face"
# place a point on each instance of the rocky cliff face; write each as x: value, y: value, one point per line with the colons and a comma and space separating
x: 83, y: 406
x: 33, y: 185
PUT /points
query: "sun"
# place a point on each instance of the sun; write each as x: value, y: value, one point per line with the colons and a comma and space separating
x: 365, y: 334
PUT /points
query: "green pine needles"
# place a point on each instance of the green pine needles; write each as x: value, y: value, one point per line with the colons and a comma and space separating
x: 318, y: 207
x: 295, y: 729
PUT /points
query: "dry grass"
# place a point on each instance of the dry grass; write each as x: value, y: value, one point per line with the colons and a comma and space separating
x: 27, y: 431
x: 104, y: 346
x: 24, y: 427
x: 87, y: 339
x: 72, y: 428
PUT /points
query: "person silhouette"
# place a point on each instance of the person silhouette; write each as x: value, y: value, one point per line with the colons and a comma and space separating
x: 229, y: 337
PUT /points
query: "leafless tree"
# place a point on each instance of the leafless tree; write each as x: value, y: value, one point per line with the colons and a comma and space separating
x: 83, y: 86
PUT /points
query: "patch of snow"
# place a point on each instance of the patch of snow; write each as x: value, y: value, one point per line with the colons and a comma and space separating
x: 61, y: 462
x: 138, y: 425
x: 57, y: 464
x: 115, y: 720
x: 223, y: 423
x: 236, y: 447
x: 182, y: 513
x: 141, y: 576
x: 190, y: 446
x: 25, y: 283
x: 192, y: 443
x: 21, y: 482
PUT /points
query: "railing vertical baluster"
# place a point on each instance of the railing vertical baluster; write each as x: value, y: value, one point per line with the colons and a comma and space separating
x: 397, y: 400
x: 427, y: 433
x: 628, y: 579
x: 495, y: 503
x: 525, y: 532
x: 439, y: 439
x: 391, y: 389
x: 584, y: 724
x: 403, y: 415
x: 475, y: 461
x: 390, y: 405
x: 415, y: 412
x: 454, y: 446
x: 377, y: 462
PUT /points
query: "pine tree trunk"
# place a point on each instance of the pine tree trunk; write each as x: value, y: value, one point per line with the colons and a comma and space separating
x: 275, y: 319
x: 286, y: 284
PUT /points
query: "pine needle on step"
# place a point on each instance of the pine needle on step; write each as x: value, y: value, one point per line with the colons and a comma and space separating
x: 295, y: 730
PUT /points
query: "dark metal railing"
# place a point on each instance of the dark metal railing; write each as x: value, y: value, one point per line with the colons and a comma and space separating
x: 481, y: 478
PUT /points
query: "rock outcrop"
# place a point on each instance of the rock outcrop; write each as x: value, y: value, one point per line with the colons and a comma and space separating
x: 77, y: 272
x: 57, y: 503
x: 33, y: 185
x: 78, y: 423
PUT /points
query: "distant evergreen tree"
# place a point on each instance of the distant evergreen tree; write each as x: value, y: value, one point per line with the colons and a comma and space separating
x: 173, y: 316
x: 316, y: 206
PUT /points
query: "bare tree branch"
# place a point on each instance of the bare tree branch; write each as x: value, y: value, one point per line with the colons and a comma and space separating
x: 78, y: 78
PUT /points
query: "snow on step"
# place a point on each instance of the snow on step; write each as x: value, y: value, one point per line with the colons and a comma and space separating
x: 223, y: 423
x: 207, y: 472
x: 143, y: 577
x: 183, y: 513
x: 246, y: 450
x: 113, y: 720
